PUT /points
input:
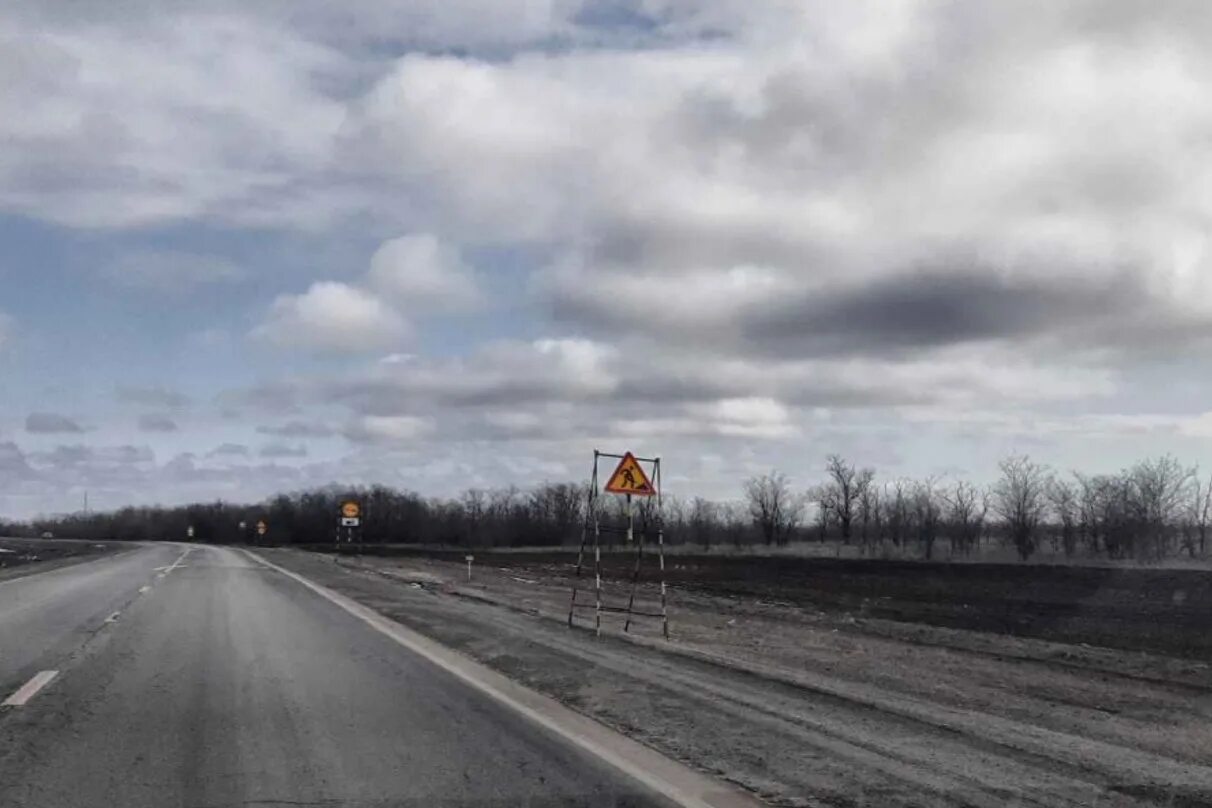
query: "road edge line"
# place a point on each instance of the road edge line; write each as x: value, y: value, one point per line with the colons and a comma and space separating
x: 663, y: 775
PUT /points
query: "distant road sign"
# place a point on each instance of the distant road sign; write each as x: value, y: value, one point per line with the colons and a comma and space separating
x: 629, y: 478
x: 243, y: 526
x: 348, y: 521
x: 262, y: 528
x: 351, y: 510
x: 189, y: 531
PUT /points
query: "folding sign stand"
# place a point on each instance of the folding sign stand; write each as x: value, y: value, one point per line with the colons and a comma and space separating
x: 630, y: 480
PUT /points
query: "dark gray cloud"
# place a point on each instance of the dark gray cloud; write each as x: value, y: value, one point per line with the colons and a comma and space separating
x: 152, y: 397
x: 297, y: 429
x: 229, y: 450
x: 157, y: 423
x: 922, y: 310
x: 283, y: 450
x: 50, y: 423
x: 99, y: 458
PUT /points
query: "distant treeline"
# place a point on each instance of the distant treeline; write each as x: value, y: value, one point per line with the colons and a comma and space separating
x: 1155, y: 509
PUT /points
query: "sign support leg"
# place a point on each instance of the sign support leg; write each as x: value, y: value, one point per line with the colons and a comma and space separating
x: 635, y: 580
x: 597, y: 579
x: 656, y: 473
x: 590, y: 513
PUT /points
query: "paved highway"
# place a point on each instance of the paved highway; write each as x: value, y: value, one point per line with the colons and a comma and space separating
x: 198, y: 677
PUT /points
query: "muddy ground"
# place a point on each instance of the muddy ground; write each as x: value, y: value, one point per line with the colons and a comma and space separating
x: 809, y: 703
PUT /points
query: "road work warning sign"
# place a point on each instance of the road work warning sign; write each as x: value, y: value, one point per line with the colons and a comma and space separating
x: 629, y: 478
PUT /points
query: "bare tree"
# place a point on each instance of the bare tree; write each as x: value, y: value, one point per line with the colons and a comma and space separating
x: 967, y: 508
x: 1201, y: 513
x: 1063, y: 497
x: 735, y: 521
x: 870, y: 516
x: 1161, y: 487
x: 1018, y: 497
x: 896, y: 511
x: 927, y: 514
x: 702, y: 521
x: 772, y: 507
x: 839, y: 496
x: 475, y: 506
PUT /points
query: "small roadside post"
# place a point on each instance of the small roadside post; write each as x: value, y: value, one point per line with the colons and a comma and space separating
x: 469, y: 559
x: 262, y: 528
x: 189, y: 532
x: 351, y: 520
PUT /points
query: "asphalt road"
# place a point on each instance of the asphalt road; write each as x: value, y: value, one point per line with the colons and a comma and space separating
x: 204, y: 679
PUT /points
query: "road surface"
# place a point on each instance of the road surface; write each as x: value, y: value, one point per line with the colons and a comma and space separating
x: 195, y: 676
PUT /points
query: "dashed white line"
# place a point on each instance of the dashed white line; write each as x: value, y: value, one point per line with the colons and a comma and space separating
x: 30, y: 689
x: 143, y: 590
x: 113, y: 618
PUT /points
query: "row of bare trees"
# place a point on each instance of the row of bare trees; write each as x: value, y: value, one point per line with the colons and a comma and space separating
x: 1152, y: 510
x: 1156, y: 508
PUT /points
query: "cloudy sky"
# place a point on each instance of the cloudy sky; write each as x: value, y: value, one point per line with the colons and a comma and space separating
x: 247, y: 247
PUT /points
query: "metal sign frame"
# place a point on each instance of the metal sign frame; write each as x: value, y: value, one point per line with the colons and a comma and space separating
x: 592, y: 526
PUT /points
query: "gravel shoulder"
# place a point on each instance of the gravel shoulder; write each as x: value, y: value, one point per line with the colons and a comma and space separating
x: 808, y: 707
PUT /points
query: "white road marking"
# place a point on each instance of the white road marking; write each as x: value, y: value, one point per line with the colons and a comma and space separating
x: 30, y: 689
x: 177, y: 563
x: 667, y: 777
x: 143, y: 590
x: 113, y: 618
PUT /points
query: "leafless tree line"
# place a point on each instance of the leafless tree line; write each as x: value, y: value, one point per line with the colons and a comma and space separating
x: 1154, y: 509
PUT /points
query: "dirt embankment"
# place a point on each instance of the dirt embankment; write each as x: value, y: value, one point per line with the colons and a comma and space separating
x: 823, y: 706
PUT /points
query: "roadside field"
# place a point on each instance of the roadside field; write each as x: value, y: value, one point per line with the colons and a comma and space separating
x: 1160, y: 610
x: 825, y: 703
x: 19, y: 556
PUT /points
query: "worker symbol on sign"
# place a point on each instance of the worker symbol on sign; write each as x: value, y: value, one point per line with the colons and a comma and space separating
x: 629, y: 478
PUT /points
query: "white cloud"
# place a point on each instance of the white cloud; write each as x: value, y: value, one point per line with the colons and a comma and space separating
x: 388, y: 428
x: 104, y: 132
x: 734, y: 241
x: 333, y: 317
x: 419, y: 274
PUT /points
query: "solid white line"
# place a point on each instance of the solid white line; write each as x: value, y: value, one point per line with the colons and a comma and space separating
x: 676, y: 782
x: 30, y: 689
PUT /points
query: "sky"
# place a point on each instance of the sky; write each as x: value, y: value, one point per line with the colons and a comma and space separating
x: 439, y: 244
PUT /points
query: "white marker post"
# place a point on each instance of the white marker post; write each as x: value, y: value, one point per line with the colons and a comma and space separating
x: 469, y: 559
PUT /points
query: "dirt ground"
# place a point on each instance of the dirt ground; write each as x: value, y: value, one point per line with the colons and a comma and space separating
x: 808, y: 705
x: 46, y: 553
x: 1166, y: 610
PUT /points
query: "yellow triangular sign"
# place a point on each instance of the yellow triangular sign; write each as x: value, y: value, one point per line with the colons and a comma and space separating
x: 629, y: 478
